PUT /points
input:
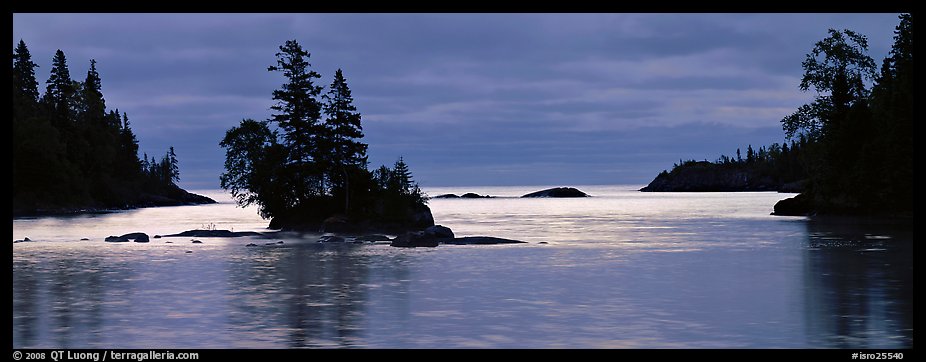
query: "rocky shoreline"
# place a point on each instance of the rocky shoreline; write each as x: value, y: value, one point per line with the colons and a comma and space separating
x: 432, y: 236
x: 179, y: 197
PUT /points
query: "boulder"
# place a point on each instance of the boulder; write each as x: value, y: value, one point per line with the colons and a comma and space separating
x: 439, y: 232
x: 136, y: 237
x: 800, y: 205
x: 115, y: 239
x: 481, y: 240
x: 558, y: 192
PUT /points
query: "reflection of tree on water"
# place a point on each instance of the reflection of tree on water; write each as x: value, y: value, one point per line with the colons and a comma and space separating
x: 311, y: 295
x: 64, y: 296
x: 858, y: 282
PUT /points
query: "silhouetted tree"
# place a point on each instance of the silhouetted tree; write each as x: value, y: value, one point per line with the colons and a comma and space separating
x: 298, y: 114
x: 344, y: 131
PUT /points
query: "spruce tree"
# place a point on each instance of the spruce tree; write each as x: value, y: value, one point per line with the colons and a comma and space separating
x: 298, y: 115
x: 344, y: 132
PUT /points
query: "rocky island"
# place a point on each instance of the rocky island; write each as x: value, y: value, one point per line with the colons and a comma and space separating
x: 557, y: 192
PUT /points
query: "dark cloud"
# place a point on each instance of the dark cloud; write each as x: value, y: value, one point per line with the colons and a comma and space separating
x: 465, y: 98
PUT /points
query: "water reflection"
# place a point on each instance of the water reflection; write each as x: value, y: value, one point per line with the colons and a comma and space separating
x: 858, y: 282
x: 309, y: 295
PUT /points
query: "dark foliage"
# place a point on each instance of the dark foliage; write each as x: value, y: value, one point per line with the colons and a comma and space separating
x: 773, y: 168
x: 862, y: 155
x: 301, y: 169
x: 70, y: 153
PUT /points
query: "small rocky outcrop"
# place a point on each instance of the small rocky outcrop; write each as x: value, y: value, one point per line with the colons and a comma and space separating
x: 558, y: 192
x: 136, y: 237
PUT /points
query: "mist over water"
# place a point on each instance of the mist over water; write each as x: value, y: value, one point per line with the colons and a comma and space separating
x: 619, y: 269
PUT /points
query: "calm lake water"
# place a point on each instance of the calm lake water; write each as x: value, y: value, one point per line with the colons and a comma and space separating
x: 622, y: 269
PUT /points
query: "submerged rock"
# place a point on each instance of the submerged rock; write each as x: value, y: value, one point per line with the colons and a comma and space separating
x: 331, y: 239
x: 481, y: 240
x: 558, y: 192
x: 251, y: 244
x: 373, y: 237
x: 214, y: 234
x: 414, y: 239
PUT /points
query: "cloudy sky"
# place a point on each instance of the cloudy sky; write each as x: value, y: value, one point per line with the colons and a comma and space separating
x: 466, y: 99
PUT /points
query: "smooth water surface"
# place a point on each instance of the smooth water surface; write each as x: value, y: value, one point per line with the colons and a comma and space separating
x: 622, y: 269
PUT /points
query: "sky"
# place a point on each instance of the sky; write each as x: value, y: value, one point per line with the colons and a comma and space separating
x: 465, y: 99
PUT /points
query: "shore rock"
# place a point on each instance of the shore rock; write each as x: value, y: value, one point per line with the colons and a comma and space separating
x: 558, y: 192
x: 439, y: 232
x: 373, y: 237
x: 800, y: 205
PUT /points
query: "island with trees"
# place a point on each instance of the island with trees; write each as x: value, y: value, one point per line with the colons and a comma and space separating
x: 851, y: 150
x: 306, y: 167
x: 72, y: 154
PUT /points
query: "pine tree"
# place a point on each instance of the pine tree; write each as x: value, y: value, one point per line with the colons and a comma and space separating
x: 344, y: 132
x: 298, y: 114
x: 173, y: 167
x: 401, y: 177
x: 60, y: 91
x: 25, y: 86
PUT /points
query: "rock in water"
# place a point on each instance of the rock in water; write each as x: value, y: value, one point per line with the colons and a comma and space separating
x: 251, y: 244
x: 196, y: 241
x: 136, y: 237
x: 800, y: 205
x: 439, y: 232
x: 481, y: 240
x: 115, y: 239
x: 414, y: 240
x: 373, y: 237
x: 558, y: 192
x: 446, y: 196
x: 331, y: 239
x: 471, y: 195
